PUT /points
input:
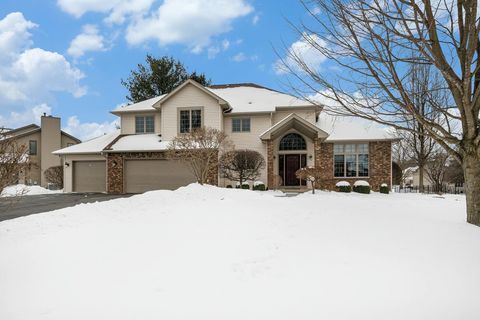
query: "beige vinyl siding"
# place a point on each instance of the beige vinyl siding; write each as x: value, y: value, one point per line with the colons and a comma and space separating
x: 189, y: 97
x: 33, y: 174
x: 249, y: 140
x: 308, y: 115
x: 66, y: 140
x: 127, y: 121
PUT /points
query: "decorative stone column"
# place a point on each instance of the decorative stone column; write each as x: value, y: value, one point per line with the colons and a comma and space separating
x: 115, y: 173
x: 270, y: 175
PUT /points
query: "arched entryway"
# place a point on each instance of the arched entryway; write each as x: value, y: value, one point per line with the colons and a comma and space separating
x: 292, y: 155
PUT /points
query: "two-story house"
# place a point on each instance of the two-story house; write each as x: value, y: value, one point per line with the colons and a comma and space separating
x: 289, y: 132
x: 40, y: 142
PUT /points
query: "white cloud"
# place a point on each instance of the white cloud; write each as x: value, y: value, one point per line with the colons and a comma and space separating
x: 225, y: 44
x: 303, y: 51
x: 255, y: 19
x: 29, y: 75
x: 189, y: 22
x: 117, y: 10
x: 26, y: 116
x: 212, y: 51
x: 240, y: 57
x: 88, y: 40
x: 88, y: 130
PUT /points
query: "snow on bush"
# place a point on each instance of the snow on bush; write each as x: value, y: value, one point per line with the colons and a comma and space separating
x: 245, y: 185
x: 342, y: 184
x: 361, y: 183
x: 202, y: 252
x: 384, y: 188
x: 24, y: 190
x: 361, y: 186
x: 258, y: 182
x: 384, y: 185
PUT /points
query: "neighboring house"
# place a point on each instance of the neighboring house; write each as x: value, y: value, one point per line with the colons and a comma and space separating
x: 40, y: 142
x: 290, y: 133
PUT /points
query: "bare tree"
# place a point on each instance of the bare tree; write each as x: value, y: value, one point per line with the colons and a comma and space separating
x: 372, y: 45
x: 200, y: 150
x: 310, y: 174
x: 13, y: 160
x: 55, y: 175
x: 241, y: 165
x: 423, y: 85
x: 436, y: 169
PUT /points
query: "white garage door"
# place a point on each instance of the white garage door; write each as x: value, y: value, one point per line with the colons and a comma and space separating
x: 146, y: 175
x: 89, y: 176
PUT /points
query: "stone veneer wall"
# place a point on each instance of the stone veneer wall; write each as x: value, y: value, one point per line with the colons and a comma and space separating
x: 380, y: 162
x: 115, y: 168
x: 270, y: 175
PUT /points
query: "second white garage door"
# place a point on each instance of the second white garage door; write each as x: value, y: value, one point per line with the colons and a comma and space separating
x: 146, y: 175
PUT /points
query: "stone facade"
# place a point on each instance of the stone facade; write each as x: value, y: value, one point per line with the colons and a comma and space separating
x: 270, y: 174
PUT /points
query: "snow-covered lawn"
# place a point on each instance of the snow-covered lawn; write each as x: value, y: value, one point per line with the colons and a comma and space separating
x: 24, y: 190
x: 212, y: 253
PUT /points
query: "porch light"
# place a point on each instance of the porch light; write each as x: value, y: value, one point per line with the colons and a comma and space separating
x: 67, y: 164
x: 310, y: 156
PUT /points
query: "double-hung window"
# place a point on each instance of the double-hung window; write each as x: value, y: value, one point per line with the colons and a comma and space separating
x: 190, y: 119
x: 144, y: 124
x: 241, y: 125
x: 350, y: 160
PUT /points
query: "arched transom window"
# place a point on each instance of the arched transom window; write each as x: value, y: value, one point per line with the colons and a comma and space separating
x: 293, y: 141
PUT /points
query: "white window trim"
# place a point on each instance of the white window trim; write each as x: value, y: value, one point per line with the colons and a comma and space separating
x: 356, y: 161
x: 145, y: 123
x: 202, y: 117
x: 241, y: 124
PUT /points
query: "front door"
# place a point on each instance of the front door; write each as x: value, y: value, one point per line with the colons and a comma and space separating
x: 292, y: 164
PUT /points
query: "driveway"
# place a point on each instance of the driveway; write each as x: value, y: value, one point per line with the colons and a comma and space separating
x: 11, y: 208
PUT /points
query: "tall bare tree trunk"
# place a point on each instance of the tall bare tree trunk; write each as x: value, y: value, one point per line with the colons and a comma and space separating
x: 471, y: 169
x: 421, y: 174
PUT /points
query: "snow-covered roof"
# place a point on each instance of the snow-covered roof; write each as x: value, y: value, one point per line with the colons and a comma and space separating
x: 242, y: 98
x: 253, y: 98
x: 139, y: 142
x: 146, y: 105
x: 95, y: 145
x: 341, y: 128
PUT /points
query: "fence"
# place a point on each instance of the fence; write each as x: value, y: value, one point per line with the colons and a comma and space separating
x: 450, y: 188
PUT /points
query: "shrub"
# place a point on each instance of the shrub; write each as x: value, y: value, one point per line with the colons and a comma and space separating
x: 54, y: 175
x: 259, y: 187
x: 343, y: 186
x: 229, y: 186
x: 384, y: 188
x: 245, y: 186
x: 361, y: 186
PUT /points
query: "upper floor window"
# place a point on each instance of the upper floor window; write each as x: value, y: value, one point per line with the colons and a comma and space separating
x: 32, y: 147
x: 351, y: 160
x: 190, y: 119
x: 293, y: 141
x: 144, y: 124
x: 241, y: 125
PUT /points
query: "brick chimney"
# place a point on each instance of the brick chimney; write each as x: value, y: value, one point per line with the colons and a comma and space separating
x: 50, y: 141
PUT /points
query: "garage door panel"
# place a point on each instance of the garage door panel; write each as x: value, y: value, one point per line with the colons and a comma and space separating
x: 89, y: 176
x: 146, y: 175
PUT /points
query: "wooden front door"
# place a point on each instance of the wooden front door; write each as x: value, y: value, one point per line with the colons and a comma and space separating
x: 292, y: 164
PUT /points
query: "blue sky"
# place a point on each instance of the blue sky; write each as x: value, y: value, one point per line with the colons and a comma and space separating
x: 66, y: 57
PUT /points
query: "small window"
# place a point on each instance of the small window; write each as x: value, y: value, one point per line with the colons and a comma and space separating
x: 69, y: 144
x: 190, y: 119
x: 32, y: 147
x: 145, y: 124
x: 241, y: 125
